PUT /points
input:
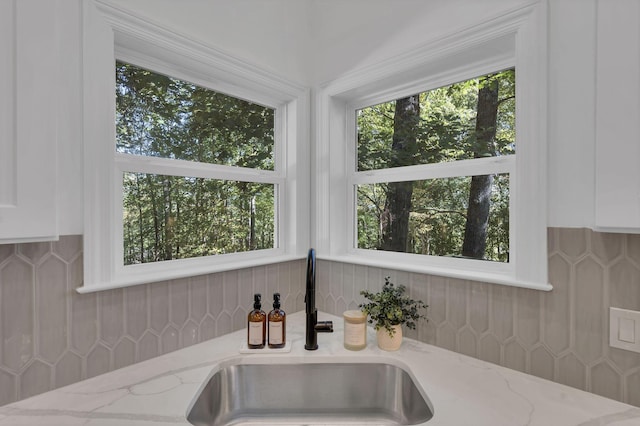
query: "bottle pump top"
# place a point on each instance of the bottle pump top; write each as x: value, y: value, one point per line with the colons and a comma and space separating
x: 276, y: 300
x: 256, y: 301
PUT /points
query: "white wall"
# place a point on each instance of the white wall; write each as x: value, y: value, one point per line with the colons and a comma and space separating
x: 314, y: 41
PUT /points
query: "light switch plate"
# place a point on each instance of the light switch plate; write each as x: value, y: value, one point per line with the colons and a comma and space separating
x: 624, y: 329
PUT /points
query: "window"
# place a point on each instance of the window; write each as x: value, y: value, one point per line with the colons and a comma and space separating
x: 173, y: 216
x: 401, y: 157
x: 193, y: 166
x: 458, y: 215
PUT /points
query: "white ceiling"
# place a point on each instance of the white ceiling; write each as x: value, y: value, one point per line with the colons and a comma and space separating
x: 312, y: 41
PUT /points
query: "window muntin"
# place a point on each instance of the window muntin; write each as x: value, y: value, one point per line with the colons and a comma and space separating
x: 168, y: 211
x: 166, y: 117
x: 411, y: 136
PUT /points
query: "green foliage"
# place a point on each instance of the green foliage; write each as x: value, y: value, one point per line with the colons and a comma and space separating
x: 445, y: 133
x: 175, y: 217
x: 391, y: 307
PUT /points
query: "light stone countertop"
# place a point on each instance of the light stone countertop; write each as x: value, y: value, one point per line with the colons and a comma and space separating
x: 462, y: 390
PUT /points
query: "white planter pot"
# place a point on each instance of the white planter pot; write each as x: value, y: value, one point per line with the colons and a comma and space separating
x: 388, y: 343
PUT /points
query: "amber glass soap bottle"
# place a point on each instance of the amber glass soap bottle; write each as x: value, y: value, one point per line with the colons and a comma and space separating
x: 257, y: 325
x: 277, y: 324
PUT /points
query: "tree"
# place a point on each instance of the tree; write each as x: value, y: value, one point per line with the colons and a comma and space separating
x: 447, y: 130
x: 395, y: 217
x: 475, y: 234
x: 173, y: 217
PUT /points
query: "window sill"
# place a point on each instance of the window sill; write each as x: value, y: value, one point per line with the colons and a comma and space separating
x: 486, y: 277
x: 182, y: 271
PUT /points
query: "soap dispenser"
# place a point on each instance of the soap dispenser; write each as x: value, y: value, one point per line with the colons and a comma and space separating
x: 256, y: 330
x: 277, y: 324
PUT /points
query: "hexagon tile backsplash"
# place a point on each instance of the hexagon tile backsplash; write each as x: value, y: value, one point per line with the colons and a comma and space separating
x: 562, y: 335
x: 52, y: 336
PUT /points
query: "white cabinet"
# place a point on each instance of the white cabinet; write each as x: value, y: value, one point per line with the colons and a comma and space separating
x: 617, y: 162
x: 29, y: 92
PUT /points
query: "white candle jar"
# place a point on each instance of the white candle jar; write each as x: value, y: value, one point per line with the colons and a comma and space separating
x: 355, y: 330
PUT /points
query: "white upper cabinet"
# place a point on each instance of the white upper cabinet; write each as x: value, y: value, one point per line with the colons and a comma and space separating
x: 617, y: 162
x: 29, y: 91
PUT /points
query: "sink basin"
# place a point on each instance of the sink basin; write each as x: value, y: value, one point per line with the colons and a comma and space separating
x: 307, y: 393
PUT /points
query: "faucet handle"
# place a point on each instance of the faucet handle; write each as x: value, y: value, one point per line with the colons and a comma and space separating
x: 324, y: 327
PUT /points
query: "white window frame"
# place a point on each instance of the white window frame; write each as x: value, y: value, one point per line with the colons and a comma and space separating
x: 110, y: 34
x: 514, y: 39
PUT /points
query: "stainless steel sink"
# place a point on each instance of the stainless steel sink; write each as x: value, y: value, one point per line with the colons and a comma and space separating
x: 323, y: 393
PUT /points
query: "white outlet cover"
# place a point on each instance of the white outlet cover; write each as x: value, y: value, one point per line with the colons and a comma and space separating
x: 624, y: 329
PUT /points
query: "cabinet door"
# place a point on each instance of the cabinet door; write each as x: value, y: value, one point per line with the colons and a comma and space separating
x: 617, y: 194
x: 29, y: 89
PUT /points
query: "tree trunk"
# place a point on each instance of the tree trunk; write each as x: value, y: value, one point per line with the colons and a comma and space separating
x: 252, y: 225
x: 168, y: 220
x: 395, y: 217
x: 475, y: 234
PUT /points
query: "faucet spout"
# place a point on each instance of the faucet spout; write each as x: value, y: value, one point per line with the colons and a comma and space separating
x: 313, y: 327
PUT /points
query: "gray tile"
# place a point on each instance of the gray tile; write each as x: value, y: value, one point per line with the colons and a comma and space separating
x: 159, y: 306
x: 457, y: 302
x: 632, y: 388
x: 528, y: 316
x: 35, y: 379
x: 179, y: 300
x: 230, y: 297
x: 68, y: 370
x: 34, y: 251
x: 572, y: 241
x: 259, y: 281
x: 502, y: 316
x: 515, y: 356
x: 216, y: 292
x: 124, y: 353
x: 16, y: 318
x: 606, y: 381
x: 542, y: 363
x: 51, y: 304
x: 111, y: 304
x: 556, y: 305
x: 169, y: 340
x: 8, y: 387
x: 479, y: 307
x: 148, y: 346
x: 198, y: 298
x: 437, y: 300
x: 68, y: 247
x: 633, y: 248
x: 189, y: 335
x: 524, y: 329
x: 136, y: 310
x: 223, y: 324
x: 606, y: 246
x: 98, y: 361
x: 467, y: 342
x: 446, y: 336
x: 6, y: 251
x: 589, y: 310
x: 624, y: 285
x: 84, y: 321
x: 207, y: 328
x: 489, y: 349
x: 572, y: 372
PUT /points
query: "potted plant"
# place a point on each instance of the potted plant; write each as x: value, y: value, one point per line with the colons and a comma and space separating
x: 388, y: 310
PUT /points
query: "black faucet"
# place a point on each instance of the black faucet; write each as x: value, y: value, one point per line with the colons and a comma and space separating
x: 313, y: 326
